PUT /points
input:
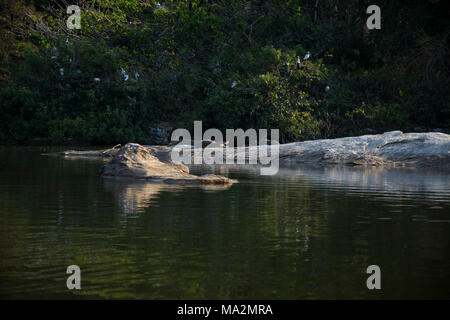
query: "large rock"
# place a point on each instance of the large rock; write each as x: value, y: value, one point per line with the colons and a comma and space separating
x: 391, y: 148
x: 137, y: 162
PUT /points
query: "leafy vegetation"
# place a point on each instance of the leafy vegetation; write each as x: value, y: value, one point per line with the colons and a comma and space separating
x: 229, y: 63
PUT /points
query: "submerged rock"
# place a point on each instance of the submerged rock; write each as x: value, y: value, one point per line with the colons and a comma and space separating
x: 76, y: 154
x: 137, y: 162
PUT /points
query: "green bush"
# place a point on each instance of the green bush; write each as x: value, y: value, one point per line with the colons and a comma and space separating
x: 190, y: 53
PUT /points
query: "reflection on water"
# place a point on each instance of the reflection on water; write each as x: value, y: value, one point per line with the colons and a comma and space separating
x: 304, y: 233
x: 383, y: 181
x: 134, y: 196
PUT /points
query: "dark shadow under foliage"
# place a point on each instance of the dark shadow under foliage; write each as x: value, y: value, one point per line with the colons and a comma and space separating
x: 228, y: 63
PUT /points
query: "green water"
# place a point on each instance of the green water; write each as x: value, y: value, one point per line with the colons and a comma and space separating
x: 308, y: 233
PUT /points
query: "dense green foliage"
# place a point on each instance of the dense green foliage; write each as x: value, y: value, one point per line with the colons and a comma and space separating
x: 188, y: 54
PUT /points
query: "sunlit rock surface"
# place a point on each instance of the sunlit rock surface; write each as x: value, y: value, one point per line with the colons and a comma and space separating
x: 137, y: 162
x: 390, y: 148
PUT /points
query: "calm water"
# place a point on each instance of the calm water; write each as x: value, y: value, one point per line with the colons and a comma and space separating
x: 303, y: 234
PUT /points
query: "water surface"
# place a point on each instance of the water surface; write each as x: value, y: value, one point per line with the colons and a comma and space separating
x: 308, y: 233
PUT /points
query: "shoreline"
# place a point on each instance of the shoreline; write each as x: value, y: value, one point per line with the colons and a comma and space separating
x: 390, y: 149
